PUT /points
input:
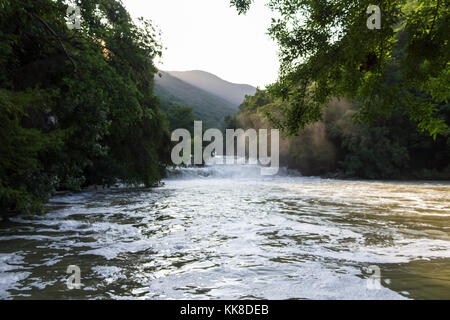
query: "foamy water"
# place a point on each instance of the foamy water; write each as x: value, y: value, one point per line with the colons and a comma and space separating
x: 225, y: 232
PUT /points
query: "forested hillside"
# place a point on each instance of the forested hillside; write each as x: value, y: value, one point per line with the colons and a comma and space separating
x: 206, y: 107
x: 231, y: 92
x: 77, y: 105
x: 337, y: 146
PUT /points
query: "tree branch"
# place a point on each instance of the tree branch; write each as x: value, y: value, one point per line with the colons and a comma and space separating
x: 59, y: 40
x: 435, y: 16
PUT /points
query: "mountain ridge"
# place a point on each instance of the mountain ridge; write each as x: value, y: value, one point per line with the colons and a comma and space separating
x: 232, y: 92
x: 207, y: 107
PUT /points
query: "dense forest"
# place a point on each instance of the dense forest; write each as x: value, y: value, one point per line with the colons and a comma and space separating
x: 356, y: 102
x: 340, y: 147
x: 210, y: 97
x: 77, y: 105
x: 328, y: 50
x: 207, y: 107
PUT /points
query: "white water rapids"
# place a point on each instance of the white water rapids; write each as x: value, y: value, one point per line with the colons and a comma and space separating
x: 226, y: 232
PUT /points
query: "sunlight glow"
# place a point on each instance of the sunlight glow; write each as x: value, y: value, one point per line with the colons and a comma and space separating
x: 209, y: 35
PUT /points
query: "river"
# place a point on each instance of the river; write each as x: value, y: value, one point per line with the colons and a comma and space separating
x: 225, y: 232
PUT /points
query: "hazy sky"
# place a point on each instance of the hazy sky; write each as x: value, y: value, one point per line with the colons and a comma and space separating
x: 209, y: 35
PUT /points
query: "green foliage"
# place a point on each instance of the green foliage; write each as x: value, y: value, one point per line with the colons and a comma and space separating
x: 387, y: 149
x: 78, y: 105
x: 23, y: 186
x: 327, y: 51
x: 206, y: 107
x: 259, y: 99
x: 178, y: 117
x: 231, y: 122
x: 241, y: 5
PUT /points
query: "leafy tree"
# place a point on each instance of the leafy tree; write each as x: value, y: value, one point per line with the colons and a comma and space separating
x: 259, y: 99
x: 327, y: 51
x: 391, y: 148
x: 231, y: 122
x: 179, y: 117
x: 78, y: 105
x: 24, y: 185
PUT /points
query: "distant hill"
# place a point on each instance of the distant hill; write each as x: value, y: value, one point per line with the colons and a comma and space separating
x: 207, y: 107
x: 231, y: 92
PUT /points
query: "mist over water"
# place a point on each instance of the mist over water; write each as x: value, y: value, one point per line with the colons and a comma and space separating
x: 226, y: 232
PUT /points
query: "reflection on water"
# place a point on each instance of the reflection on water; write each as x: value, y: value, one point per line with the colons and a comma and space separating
x: 227, y: 233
